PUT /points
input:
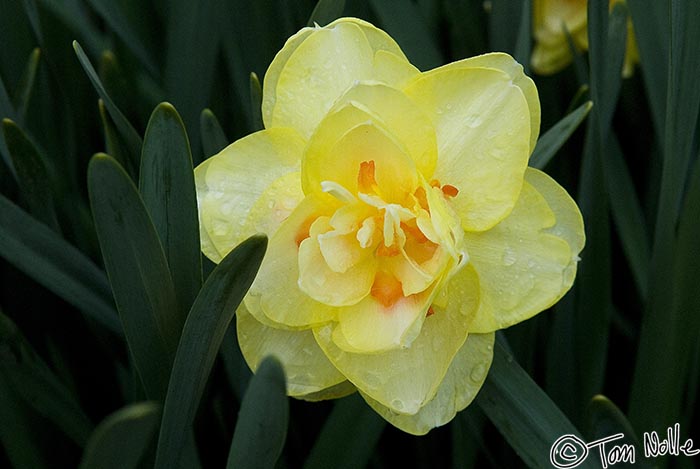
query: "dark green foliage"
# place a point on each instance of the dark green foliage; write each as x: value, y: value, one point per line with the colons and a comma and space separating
x: 117, y: 345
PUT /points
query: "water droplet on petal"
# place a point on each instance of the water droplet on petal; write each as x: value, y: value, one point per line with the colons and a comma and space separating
x: 372, y: 380
x: 473, y: 120
x: 397, y: 404
x: 509, y: 257
x: 478, y: 372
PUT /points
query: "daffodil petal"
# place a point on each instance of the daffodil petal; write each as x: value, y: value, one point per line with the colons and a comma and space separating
x: 307, y: 369
x: 482, y: 121
x: 275, y: 292
x: 464, y: 378
x: 405, y: 379
x: 552, y: 19
x: 318, y: 72
x: 341, y: 252
x: 551, y: 16
x: 229, y: 183
x: 273, y: 73
x: 377, y: 39
x: 507, y: 64
x: 400, y: 117
x: 569, y: 222
x: 274, y: 205
x: 548, y: 59
x: 335, y: 153
x: 371, y: 327
x: 329, y: 287
x: 528, y: 261
x: 392, y: 69
x: 334, y: 392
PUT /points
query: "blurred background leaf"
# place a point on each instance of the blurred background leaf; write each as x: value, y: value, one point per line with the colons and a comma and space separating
x: 628, y: 329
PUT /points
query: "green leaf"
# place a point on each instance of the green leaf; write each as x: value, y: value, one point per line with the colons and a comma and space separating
x: 326, y: 11
x: 522, y: 412
x: 138, y: 272
x: 652, y: 28
x: 167, y: 187
x: 523, y: 44
x: 213, y: 138
x: 658, y: 384
x: 348, y: 437
x: 131, y: 138
x: 591, y: 327
x: 41, y: 254
x: 118, y: 22
x: 549, y: 143
x: 237, y: 370
x: 121, y: 439
x: 77, y: 18
x: 509, y: 28
x: 26, y: 85
x: 201, y: 339
x: 605, y: 419
x: 628, y: 215
x: 33, y: 381
x: 403, y: 21
x: 261, y: 428
x: 256, y: 101
x: 114, y: 143
x: 21, y: 448
x: 192, y: 46
x: 31, y: 174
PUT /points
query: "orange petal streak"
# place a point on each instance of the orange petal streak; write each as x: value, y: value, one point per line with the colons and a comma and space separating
x: 366, y: 182
x: 386, y: 289
x: 303, y: 231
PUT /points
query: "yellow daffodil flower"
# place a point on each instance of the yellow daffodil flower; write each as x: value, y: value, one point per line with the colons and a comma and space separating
x: 405, y: 226
x: 552, y: 51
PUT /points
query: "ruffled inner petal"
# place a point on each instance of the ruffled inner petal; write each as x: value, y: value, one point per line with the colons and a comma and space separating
x: 482, y: 121
x: 404, y: 379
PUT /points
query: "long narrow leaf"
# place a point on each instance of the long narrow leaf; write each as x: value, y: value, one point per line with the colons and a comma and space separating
x: 113, y: 15
x: 138, y: 272
x: 403, y: 21
x: 41, y: 254
x: 26, y: 86
x: 256, y: 101
x: 31, y: 173
x: 166, y: 183
x: 213, y: 136
x: 131, y: 138
x: 261, y: 428
x: 33, y: 381
x: 326, y: 11
x: 204, y: 330
x: 522, y: 412
x: 21, y: 448
x: 349, y: 436
x: 121, y: 439
x: 549, y: 143
x: 190, y: 58
x: 658, y: 388
x: 627, y: 215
